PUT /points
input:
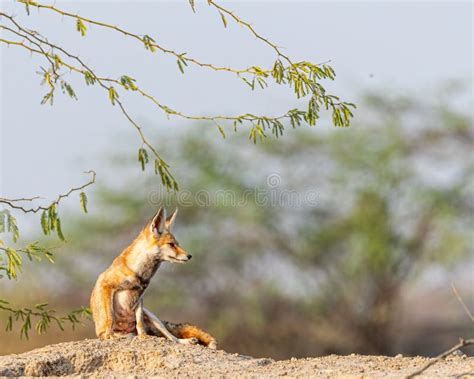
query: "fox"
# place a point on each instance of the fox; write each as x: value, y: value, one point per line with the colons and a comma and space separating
x: 117, y: 298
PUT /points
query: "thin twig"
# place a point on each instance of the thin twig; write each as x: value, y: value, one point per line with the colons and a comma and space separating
x: 462, y: 343
x: 463, y: 304
x: 179, y: 56
x: 12, y: 203
x: 168, y: 110
x: 239, y: 21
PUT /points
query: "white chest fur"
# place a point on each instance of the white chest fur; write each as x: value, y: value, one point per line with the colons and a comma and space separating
x: 144, y: 260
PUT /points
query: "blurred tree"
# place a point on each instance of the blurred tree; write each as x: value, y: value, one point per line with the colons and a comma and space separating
x: 278, y: 275
x: 303, y: 78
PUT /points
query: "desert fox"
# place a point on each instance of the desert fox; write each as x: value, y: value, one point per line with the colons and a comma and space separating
x: 117, y: 298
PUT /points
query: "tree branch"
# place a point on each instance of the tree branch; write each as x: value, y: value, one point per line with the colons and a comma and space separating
x: 12, y: 203
x: 251, y: 29
x: 151, y: 43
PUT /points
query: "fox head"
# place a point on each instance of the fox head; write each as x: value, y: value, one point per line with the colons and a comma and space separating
x: 159, y: 236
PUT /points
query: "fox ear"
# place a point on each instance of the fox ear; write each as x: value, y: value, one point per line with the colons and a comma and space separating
x: 170, y: 220
x: 157, y: 225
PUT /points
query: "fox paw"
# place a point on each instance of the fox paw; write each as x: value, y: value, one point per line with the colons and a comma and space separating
x: 188, y: 341
x: 106, y: 335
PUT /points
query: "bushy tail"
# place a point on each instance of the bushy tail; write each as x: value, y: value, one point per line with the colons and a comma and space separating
x: 190, y: 331
x: 180, y: 331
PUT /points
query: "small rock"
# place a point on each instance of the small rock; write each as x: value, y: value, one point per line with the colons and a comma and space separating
x: 245, y: 356
x: 264, y: 361
x: 172, y: 363
x: 7, y: 372
x: 399, y: 356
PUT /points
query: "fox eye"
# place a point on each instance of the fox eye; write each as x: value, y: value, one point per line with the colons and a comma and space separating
x: 172, y: 244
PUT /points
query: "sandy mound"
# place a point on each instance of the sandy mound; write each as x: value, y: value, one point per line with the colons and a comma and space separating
x: 159, y: 357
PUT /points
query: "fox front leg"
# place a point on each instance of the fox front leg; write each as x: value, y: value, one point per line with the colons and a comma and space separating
x: 158, y: 324
x: 141, y: 332
x: 106, y: 299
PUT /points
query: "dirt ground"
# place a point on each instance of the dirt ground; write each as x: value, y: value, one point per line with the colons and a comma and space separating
x: 153, y: 356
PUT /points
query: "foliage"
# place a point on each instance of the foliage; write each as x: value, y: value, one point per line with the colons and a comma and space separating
x: 11, y: 260
x: 45, y: 318
x: 303, y: 78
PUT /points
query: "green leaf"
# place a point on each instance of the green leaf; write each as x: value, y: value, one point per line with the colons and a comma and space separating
x: 149, y: 43
x: 57, y: 61
x: 128, y: 82
x: 256, y: 131
x: 251, y: 84
x: 9, y: 326
x: 142, y: 157
x: 221, y: 130
x: 41, y: 325
x: 25, y: 327
x: 224, y: 21
x: 49, y: 256
x: 181, y: 61
x: 83, y: 201
x: 47, y: 79
x: 12, y: 227
x: 48, y: 97
x: 59, y: 230
x: 113, y: 95
x: 13, y: 262
x: 27, y: 5
x: 180, y: 65
x: 2, y: 221
x: 41, y: 306
x: 161, y: 168
x: 278, y: 71
x: 45, y: 223
x: 81, y: 28
x: 52, y: 216
x: 262, y: 83
x: 67, y: 88
x: 89, y: 77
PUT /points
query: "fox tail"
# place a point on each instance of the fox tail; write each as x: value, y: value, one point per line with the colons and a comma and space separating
x: 190, y: 331
x: 181, y: 331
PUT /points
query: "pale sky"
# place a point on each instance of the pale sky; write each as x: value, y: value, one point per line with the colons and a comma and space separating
x: 409, y: 47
